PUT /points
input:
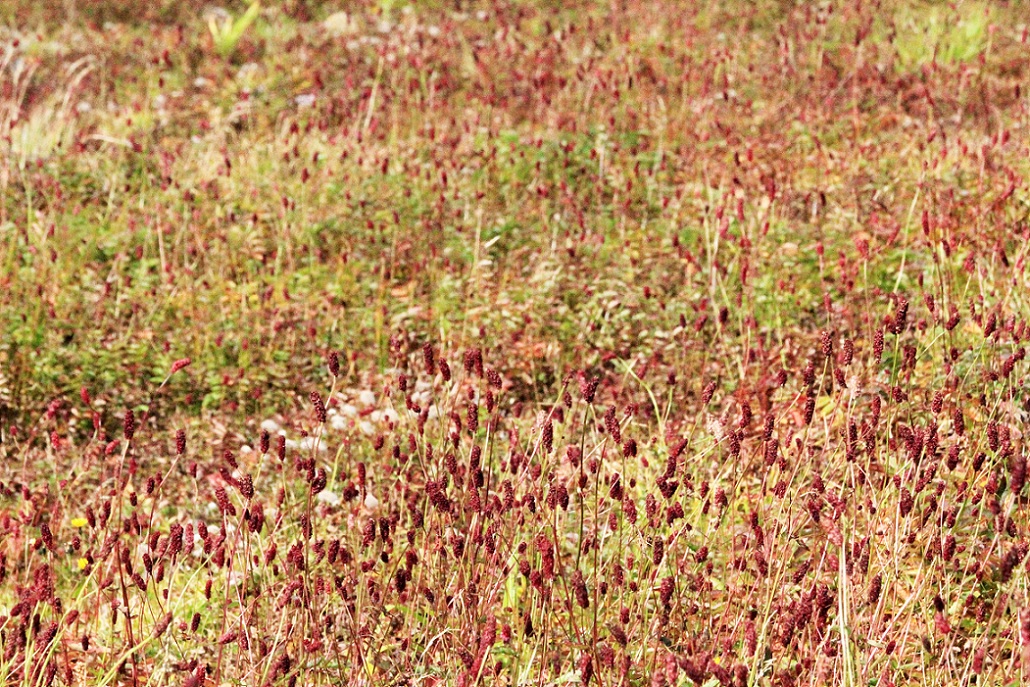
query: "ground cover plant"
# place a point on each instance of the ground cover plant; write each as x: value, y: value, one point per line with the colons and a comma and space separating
x: 513, y: 343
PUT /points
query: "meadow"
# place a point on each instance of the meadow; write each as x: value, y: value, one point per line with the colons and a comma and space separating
x: 513, y: 342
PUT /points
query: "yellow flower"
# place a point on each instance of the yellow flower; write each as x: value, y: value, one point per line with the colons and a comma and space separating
x: 79, y: 522
x: 83, y: 563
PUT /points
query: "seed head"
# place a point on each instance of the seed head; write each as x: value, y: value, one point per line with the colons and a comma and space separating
x: 665, y: 590
x: 586, y: 668
x: 848, y: 352
x: 429, y: 358
x: 826, y: 343
x: 900, y: 316
x: 878, y: 346
x: 246, y: 486
x: 658, y: 551
x: 579, y: 587
x: 629, y: 509
x: 163, y: 624
x: 47, y: 536
x: 129, y: 424
x: 588, y: 388
x: 991, y: 325
x: 720, y: 500
x: 745, y: 415
x: 618, y: 634
x: 1011, y: 559
x: 222, y: 498
x: 318, y: 483
x: 905, y: 502
x: 474, y: 361
x: 320, y: 413
x: 1018, y: 474
x: 611, y: 423
x: 978, y: 660
x: 547, y: 438
x: 175, y: 537
x: 808, y: 374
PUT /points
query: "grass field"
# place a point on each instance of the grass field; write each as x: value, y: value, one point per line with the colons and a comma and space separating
x: 514, y: 343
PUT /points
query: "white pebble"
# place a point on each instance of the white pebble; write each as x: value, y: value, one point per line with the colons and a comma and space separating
x: 307, y: 443
x: 329, y: 498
